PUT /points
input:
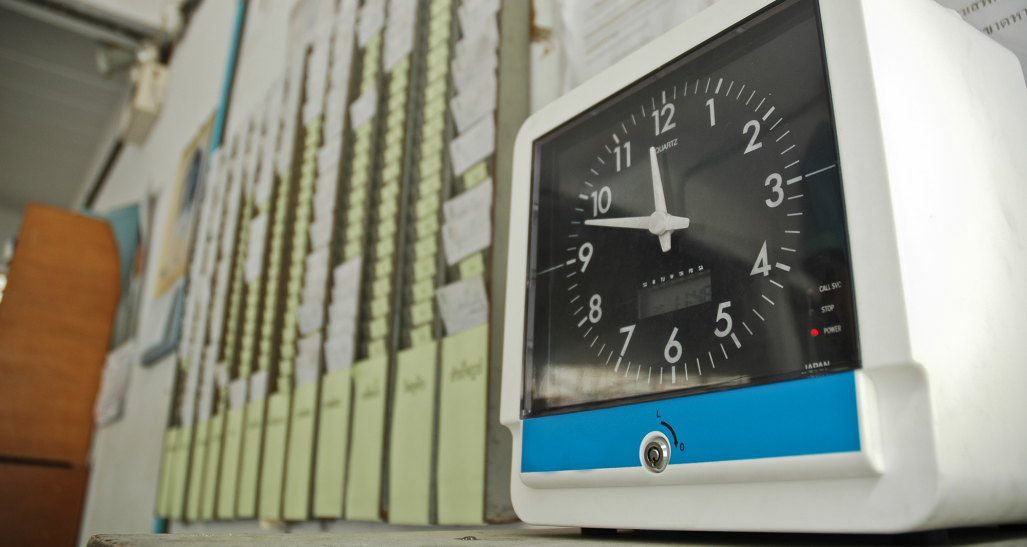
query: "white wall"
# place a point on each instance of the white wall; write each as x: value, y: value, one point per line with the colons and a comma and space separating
x: 126, y: 454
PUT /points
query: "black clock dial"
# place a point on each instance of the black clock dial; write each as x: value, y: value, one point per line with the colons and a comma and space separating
x: 688, y: 234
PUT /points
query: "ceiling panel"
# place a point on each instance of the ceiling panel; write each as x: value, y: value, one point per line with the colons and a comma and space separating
x: 54, y: 110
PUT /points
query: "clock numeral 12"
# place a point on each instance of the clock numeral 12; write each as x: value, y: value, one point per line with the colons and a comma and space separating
x: 668, y: 111
x: 627, y: 154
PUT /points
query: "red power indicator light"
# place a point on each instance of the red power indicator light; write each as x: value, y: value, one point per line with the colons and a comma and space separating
x: 814, y: 332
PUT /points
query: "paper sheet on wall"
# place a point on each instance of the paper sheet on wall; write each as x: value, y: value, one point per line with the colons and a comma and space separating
x: 412, y: 428
x: 333, y: 435
x: 255, y: 248
x: 469, y: 202
x: 463, y: 391
x: 474, y: 101
x: 363, y: 489
x: 362, y: 110
x: 372, y: 19
x: 466, y: 235
x: 473, y: 145
x: 399, y: 34
x: 598, y: 33
x: 1004, y: 21
x: 463, y: 304
x: 111, y: 400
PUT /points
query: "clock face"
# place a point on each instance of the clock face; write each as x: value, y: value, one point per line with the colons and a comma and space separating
x: 688, y: 234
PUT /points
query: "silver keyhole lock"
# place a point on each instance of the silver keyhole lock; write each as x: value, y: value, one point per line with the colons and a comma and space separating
x: 655, y: 452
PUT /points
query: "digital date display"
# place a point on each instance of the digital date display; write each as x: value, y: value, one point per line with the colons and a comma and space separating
x: 675, y: 295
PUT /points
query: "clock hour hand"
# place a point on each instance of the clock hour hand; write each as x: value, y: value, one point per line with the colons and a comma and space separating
x: 657, y: 223
x: 637, y: 223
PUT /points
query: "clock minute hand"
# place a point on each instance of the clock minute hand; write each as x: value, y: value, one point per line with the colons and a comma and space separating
x: 661, y: 201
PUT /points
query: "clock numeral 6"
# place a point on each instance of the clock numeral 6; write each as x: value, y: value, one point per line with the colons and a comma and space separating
x: 723, y: 316
x: 672, y: 345
x: 595, y: 312
x: 585, y: 255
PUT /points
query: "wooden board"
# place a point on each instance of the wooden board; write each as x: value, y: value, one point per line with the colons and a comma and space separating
x: 40, y: 506
x: 55, y: 327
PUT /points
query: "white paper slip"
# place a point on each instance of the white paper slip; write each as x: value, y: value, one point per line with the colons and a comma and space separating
x: 362, y: 109
x: 463, y: 304
x: 265, y: 182
x: 472, y: 12
x: 348, y: 273
x: 320, y: 233
x: 467, y: 70
x: 314, y: 294
x: 343, y: 311
x: 334, y: 123
x: 324, y: 206
x: 328, y: 156
x: 237, y: 392
x: 309, y: 345
x: 311, y: 111
x: 314, y: 284
x: 475, y: 101
x: 255, y: 248
x: 372, y: 18
x: 110, y: 401
x: 469, y: 202
x: 342, y: 330
x: 473, y: 145
x: 399, y: 34
x: 258, y: 385
x: 306, y: 369
x: 338, y: 354
x: 467, y: 235
x: 311, y: 317
x: 317, y: 260
x: 479, y: 38
x: 222, y: 376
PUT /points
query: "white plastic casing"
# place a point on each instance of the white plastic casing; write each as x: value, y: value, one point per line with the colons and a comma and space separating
x: 931, y: 120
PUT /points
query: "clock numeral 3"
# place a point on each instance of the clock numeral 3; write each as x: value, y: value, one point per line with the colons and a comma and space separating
x: 776, y: 180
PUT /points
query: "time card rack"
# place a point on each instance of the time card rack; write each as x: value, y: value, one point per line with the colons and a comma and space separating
x: 335, y: 359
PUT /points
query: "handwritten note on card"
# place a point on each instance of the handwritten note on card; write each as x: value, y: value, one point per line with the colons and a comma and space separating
x: 463, y: 304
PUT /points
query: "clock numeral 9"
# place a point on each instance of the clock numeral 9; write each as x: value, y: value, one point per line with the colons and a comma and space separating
x: 723, y: 316
x: 627, y: 154
x: 595, y: 312
x: 776, y: 180
x: 668, y: 111
x: 597, y: 201
x: 672, y: 345
x: 585, y: 255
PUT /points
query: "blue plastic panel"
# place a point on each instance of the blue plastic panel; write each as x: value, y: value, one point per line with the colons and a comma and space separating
x: 800, y: 417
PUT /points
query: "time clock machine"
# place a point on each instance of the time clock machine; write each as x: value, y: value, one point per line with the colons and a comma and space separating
x: 769, y: 273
